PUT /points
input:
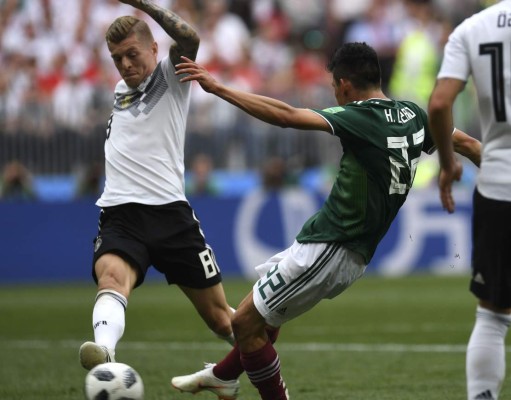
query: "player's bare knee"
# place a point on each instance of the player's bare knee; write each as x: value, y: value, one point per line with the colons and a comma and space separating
x: 107, y: 280
x: 110, y: 280
x: 219, y: 321
x: 221, y: 326
x: 115, y: 274
x: 241, y: 326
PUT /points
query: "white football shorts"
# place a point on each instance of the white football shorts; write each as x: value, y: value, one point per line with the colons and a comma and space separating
x: 296, y: 279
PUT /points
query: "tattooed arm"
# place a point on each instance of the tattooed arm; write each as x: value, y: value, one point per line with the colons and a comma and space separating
x: 186, y: 38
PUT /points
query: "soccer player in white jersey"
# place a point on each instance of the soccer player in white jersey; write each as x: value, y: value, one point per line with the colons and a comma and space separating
x: 145, y: 218
x: 481, y: 47
x: 382, y: 142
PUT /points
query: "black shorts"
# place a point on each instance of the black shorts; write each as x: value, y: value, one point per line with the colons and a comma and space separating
x: 168, y: 237
x: 491, y: 253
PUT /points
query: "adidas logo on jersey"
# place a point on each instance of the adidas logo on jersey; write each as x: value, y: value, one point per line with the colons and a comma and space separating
x: 484, y: 395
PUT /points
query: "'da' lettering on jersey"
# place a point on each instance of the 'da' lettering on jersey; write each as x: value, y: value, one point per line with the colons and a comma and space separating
x: 480, y: 47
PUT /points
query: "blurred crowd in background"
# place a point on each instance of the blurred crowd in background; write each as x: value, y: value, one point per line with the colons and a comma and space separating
x: 57, y: 79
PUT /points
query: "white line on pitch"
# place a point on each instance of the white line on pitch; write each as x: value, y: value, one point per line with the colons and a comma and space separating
x: 281, y: 346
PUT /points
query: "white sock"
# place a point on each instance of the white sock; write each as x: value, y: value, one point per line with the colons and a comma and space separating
x: 229, y: 338
x: 486, y: 355
x: 108, y: 318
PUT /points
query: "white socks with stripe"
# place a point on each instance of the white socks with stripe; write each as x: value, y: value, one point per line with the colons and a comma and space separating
x: 486, y: 355
x: 108, y: 318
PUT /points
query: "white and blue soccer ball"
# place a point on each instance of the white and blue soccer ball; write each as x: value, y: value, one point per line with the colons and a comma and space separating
x: 113, y: 381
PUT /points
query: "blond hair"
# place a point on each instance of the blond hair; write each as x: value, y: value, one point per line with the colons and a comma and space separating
x: 124, y: 27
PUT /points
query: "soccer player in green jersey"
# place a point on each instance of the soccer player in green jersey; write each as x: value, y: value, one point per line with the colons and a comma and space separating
x: 382, y: 141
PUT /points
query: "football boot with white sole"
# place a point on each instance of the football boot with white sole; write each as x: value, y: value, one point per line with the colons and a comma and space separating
x: 206, y: 380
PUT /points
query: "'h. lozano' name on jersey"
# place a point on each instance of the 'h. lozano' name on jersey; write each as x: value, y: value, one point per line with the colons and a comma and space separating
x: 400, y: 116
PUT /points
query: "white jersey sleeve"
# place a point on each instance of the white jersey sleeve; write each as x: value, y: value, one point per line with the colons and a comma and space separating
x: 144, y: 147
x: 456, y: 62
x: 481, y: 47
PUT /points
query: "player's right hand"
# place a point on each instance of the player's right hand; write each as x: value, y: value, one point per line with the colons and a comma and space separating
x: 196, y: 72
x: 445, y: 181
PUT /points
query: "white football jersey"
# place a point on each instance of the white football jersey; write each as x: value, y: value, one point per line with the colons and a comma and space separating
x: 144, y: 148
x: 481, y: 46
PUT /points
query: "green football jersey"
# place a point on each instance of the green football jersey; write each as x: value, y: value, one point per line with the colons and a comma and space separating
x: 382, y: 141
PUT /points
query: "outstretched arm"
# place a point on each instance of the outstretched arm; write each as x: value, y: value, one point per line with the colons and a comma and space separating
x: 441, y: 126
x: 467, y: 146
x: 185, y: 37
x: 266, y: 109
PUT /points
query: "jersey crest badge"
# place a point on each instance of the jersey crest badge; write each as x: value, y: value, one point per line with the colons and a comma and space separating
x: 126, y: 101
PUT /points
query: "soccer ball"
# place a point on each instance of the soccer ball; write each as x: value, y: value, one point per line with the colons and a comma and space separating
x: 113, y: 381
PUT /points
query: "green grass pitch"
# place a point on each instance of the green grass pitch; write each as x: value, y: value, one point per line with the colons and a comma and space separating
x: 384, y: 338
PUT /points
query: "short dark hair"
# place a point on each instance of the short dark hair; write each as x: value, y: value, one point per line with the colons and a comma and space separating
x: 358, y: 63
x: 124, y: 27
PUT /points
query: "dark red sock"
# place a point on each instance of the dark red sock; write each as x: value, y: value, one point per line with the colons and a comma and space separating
x: 263, y: 370
x: 230, y: 367
x: 273, y: 334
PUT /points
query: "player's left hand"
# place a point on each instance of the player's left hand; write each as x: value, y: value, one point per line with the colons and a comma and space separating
x: 196, y: 72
